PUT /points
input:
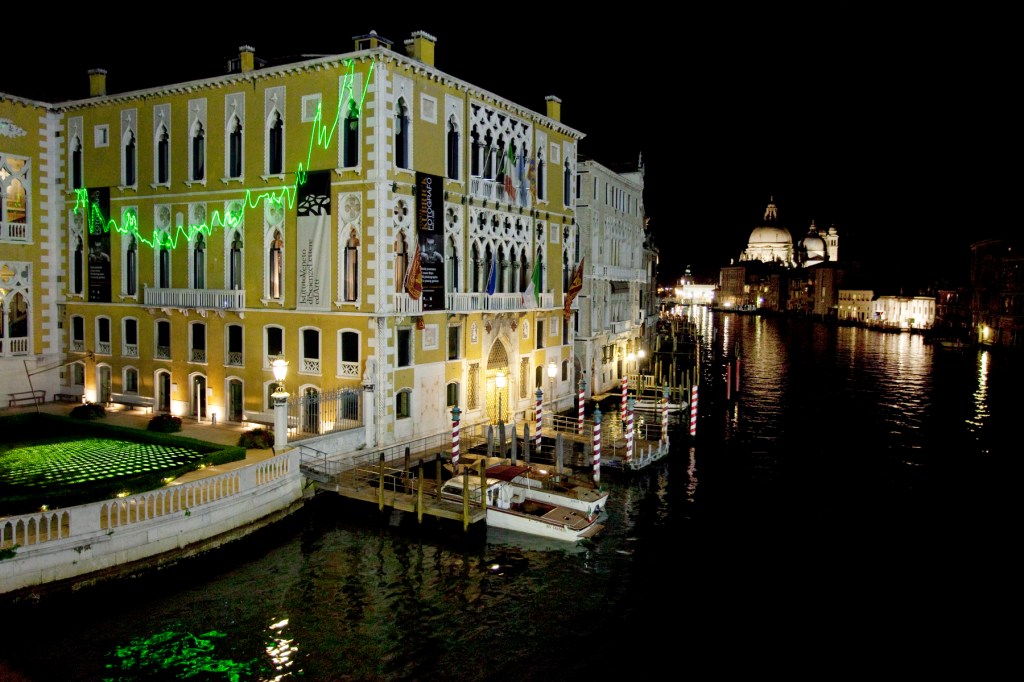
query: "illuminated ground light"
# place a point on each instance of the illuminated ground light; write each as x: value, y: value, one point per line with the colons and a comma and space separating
x: 181, y: 656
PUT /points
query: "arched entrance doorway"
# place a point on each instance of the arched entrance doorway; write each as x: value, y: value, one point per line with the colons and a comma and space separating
x: 103, y: 384
x: 236, y: 411
x: 197, y: 402
x: 163, y: 391
x: 498, y: 397
x: 311, y: 410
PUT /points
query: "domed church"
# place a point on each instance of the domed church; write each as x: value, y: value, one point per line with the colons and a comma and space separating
x: 771, y: 242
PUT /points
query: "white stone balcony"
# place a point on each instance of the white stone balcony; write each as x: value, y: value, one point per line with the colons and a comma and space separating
x: 214, y: 299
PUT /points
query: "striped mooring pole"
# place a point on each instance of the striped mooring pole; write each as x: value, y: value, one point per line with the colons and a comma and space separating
x: 625, y: 391
x: 455, y: 437
x: 597, y: 445
x: 693, y: 410
x: 536, y: 437
x: 629, y: 434
x: 579, y: 425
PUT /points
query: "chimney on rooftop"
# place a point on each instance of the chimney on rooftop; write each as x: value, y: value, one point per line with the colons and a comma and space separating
x: 246, y: 58
x: 554, y: 107
x: 97, y: 82
x: 421, y: 47
x: 370, y: 41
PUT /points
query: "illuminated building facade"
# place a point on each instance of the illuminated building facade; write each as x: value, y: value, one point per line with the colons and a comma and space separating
x: 618, y: 299
x: 366, y: 217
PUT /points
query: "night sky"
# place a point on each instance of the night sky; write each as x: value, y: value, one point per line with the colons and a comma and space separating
x: 894, y: 129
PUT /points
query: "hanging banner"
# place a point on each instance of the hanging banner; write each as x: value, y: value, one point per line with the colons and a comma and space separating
x: 430, y: 233
x: 313, y: 268
x: 99, y: 244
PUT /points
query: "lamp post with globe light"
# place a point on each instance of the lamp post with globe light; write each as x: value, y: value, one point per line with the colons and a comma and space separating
x: 280, y: 397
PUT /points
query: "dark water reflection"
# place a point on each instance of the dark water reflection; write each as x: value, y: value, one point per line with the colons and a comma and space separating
x: 853, y: 505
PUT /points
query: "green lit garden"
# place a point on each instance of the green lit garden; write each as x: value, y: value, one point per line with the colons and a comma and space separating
x: 51, y: 461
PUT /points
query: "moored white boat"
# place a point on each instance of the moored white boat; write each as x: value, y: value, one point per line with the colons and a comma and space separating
x: 509, y: 508
x: 537, y: 483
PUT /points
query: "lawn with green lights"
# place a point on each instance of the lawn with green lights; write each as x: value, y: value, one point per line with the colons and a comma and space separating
x: 63, y: 463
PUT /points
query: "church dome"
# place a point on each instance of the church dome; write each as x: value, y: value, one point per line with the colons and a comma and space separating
x: 813, y: 245
x: 769, y: 235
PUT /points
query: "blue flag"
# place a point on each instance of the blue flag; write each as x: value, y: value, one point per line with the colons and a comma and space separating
x: 492, y: 277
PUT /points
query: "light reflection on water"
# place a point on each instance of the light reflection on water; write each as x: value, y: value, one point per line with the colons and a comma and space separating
x: 811, y: 493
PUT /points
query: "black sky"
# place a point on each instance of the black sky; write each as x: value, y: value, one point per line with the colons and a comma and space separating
x: 897, y: 130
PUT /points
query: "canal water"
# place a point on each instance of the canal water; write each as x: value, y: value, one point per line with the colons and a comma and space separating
x: 850, y: 507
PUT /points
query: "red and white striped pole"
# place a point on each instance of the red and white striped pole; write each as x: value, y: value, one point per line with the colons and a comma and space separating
x: 625, y: 391
x: 455, y: 437
x: 597, y: 445
x: 664, y: 414
x: 579, y: 425
x: 629, y: 434
x: 536, y: 437
x: 693, y: 410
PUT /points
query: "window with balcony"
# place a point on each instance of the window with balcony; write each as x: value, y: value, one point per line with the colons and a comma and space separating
x: 14, y: 316
x: 77, y: 334
x: 14, y: 184
x: 235, y: 339
x: 348, y: 354
x: 310, y: 350
x: 163, y: 340
x: 197, y: 342
x: 273, y: 341
x: 130, y: 337
x: 103, y: 336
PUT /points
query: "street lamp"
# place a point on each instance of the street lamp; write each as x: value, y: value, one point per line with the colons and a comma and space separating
x: 552, y: 370
x: 280, y: 396
x: 640, y: 354
x: 280, y: 366
x: 500, y: 382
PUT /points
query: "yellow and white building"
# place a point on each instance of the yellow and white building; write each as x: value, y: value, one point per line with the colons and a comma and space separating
x: 173, y: 242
